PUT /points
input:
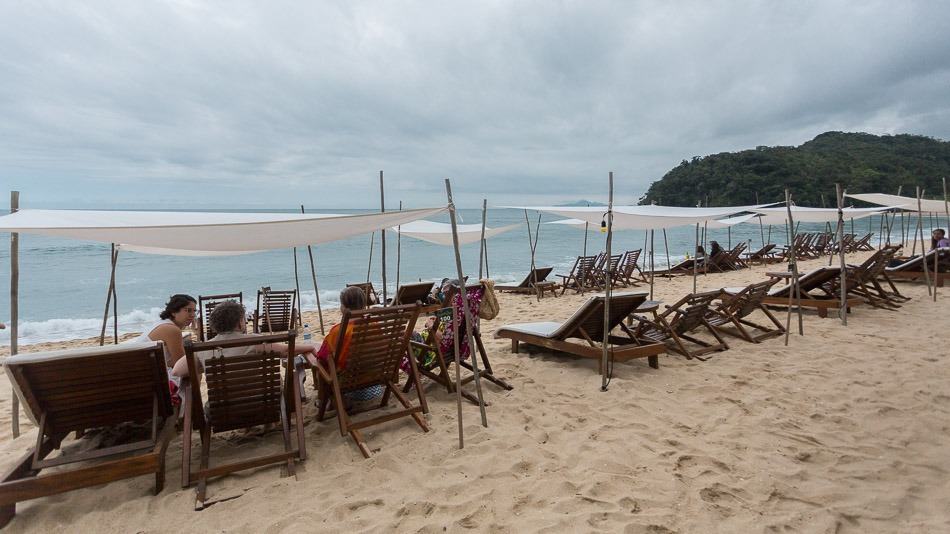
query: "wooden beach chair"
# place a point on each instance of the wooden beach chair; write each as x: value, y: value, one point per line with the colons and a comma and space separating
x: 862, y: 280
x: 587, y: 324
x: 731, y: 315
x: 244, y: 389
x: 763, y: 255
x: 438, y: 369
x: 911, y: 269
x: 206, y: 305
x: 684, y: 267
x: 412, y: 293
x: 536, y: 278
x: 629, y: 272
x: 78, y: 389
x: 864, y: 243
x: 372, y: 297
x: 581, y: 276
x: 815, y: 291
x: 674, y: 326
x: 276, y: 311
x: 608, y: 271
x: 380, y: 340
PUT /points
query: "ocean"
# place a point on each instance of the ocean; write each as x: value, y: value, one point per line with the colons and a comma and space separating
x: 63, y: 283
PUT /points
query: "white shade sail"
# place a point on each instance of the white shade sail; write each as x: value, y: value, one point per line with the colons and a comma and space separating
x: 643, y: 217
x: 441, y: 233
x: 715, y: 223
x: 803, y: 214
x: 203, y: 232
x: 179, y: 252
x: 906, y: 203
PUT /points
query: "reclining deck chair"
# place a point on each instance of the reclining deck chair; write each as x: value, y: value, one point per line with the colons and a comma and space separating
x: 437, y: 369
x: 674, y: 324
x: 412, y: 293
x: 372, y: 297
x: 379, y: 341
x: 737, y: 306
x: 276, y: 311
x: 608, y: 271
x: 763, y: 255
x: 864, y: 243
x: 911, y: 269
x: 244, y: 389
x: 587, y: 323
x: 815, y: 292
x: 629, y: 272
x: 862, y: 280
x: 207, y: 304
x: 537, y: 276
x: 78, y: 389
x: 581, y: 276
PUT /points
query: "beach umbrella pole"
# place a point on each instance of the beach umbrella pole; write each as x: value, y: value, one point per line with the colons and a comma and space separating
x: 15, y: 308
x: 468, y: 326
x: 605, y: 345
x: 844, y: 266
x: 382, y: 235
x: 316, y: 290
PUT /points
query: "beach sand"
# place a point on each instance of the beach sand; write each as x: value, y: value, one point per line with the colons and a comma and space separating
x: 844, y: 430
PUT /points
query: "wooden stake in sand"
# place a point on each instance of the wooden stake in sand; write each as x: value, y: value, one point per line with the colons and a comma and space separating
x: 794, y: 295
x: 923, y: 251
x: 297, y: 287
x: 604, y: 379
x: 382, y: 235
x: 110, y: 295
x: 696, y: 258
x: 481, y: 242
x: 843, y: 312
x: 398, y: 249
x: 532, y: 244
x: 316, y: 290
x: 14, y: 307
x: 666, y: 247
x: 369, y: 264
x: 652, y: 268
x: 467, y: 313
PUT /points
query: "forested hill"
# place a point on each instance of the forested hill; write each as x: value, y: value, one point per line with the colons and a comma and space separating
x: 862, y: 163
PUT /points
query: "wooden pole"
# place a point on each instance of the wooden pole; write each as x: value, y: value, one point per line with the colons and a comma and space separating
x: 843, y: 312
x: 652, y: 268
x: 666, y: 247
x: 369, y: 264
x: 382, y: 234
x: 604, y: 379
x: 105, y: 313
x: 115, y: 303
x: 586, y: 228
x: 297, y: 287
x: 14, y: 308
x: 467, y: 313
x: 531, y: 242
x: 481, y: 242
x: 794, y: 295
x: 398, y: 249
x: 920, y: 230
x: 696, y: 258
x: 316, y: 290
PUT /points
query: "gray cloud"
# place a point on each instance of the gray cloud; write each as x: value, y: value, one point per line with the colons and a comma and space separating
x: 237, y: 104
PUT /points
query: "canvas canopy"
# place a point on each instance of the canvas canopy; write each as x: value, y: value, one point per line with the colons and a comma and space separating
x: 803, y: 214
x: 650, y: 217
x: 906, y: 203
x: 715, y: 223
x: 203, y: 232
x: 441, y: 233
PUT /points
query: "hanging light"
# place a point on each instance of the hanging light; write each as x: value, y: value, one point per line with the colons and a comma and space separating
x: 603, y: 227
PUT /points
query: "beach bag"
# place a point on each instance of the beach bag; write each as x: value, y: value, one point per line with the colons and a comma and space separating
x: 489, y: 309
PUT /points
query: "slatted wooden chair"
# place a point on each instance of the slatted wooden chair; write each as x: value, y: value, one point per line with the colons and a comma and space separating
x: 437, y: 369
x: 862, y: 280
x: 207, y: 304
x: 763, y: 255
x: 379, y: 341
x: 677, y: 321
x: 587, y: 324
x: 412, y: 293
x: 608, y: 271
x: 276, y: 311
x: 731, y: 316
x: 629, y: 272
x: 244, y: 389
x: 537, y: 276
x: 814, y: 289
x: 580, y: 276
x: 74, y: 390
x: 864, y: 243
x: 372, y: 297
x: 911, y: 269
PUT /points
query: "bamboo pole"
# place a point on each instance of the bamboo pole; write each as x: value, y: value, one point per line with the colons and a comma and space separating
x: 109, y: 291
x: 920, y: 230
x: 794, y: 294
x: 666, y: 247
x: 467, y: 313
x: 115, y: 305
x: 696, y: 258
x: 297, y: 287
x: 481, y: 242
x: 761, y: 230
x: 382, y: 235
x: 316, y: 290
x: 14, y: 308
x: 605, y: 345
x: 652, y: 268
x: 398, y: 249
x: 843, y: 312
x: 531, y: 244
x: 369, y: 264
x: 586, y: 229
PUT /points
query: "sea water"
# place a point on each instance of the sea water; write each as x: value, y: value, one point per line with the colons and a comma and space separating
x: 63, y: 282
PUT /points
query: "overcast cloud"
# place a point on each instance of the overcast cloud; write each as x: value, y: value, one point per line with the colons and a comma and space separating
x: 247, y: 104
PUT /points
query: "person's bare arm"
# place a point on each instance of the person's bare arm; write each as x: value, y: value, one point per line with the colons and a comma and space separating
x: 170, y: 335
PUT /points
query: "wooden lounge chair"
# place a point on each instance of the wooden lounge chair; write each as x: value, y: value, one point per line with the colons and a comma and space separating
x: 276, y: 311
x: 380, y: 339
x: 911, y: 269
x: 674, y: 325
x: 763, y: 255
x: 862, y: 280
x: 537, y: 276
x: 608, y: 271
x: 629, y: 272
x: 207, y: 304
x: 412, y: 293
x: 684, y: 267
x: 243, y: 391
x: 814, y: 289
x: 74, y: 390
x: 372, y: 297
x: 581, y: 276
x: 731, y: 316
x: 587, y: 324
x: 438, y: 369
x: 864, y: 243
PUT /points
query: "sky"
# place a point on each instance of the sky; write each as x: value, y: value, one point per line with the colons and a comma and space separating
x: 187, y: 104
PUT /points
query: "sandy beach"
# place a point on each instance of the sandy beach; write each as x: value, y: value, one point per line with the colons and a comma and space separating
x: 843, y: 430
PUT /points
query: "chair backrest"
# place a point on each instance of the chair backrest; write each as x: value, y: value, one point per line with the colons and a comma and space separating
x: 589, y: 318
x: 748, y: 300
x: 243, y: 380
x: 276, y: 310
x: 412, y: 293
x: 690, y: 311
x: 206, y: 305
x: 78, y: 389
x: 538, y: 275
x: 372, y: 298
x: 379, y: 341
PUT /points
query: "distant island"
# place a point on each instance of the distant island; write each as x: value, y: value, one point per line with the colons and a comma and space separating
x: 581, y: 203
x: 860, y: 162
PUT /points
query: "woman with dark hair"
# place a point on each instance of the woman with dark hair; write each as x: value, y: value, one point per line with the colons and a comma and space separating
x: 179, y: 312
x: 715, y: 249
x: 938, y: 239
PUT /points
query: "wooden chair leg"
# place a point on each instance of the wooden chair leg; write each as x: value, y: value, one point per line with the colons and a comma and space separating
x: 186, y: 443
x: 654, y: 361
x: 298, y: 418
x: 358, y: 438
x: 202, y: 492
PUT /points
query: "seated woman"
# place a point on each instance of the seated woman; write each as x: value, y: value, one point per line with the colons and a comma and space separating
x: 178, y: 314
x: 445, y: 334
x: 714, y: 249
x: 938, y: 239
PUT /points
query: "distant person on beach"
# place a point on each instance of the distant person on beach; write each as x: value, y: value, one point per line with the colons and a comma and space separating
x: 2, y: 326
x: 938, y: 239
x: 700, y: 252
x: 714, y: 249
